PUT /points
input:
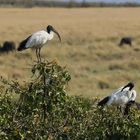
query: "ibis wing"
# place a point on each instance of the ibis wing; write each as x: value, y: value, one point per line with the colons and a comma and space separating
x: 23, y: 44
x: 38, y: 39
x: 117, y: 91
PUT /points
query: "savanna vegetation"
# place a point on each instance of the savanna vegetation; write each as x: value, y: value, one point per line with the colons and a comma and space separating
x: 44, y: 111
x: 36, y: 100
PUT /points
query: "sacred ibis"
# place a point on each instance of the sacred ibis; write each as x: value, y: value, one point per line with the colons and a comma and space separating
x: 38, y: 39
x: 121, y: 97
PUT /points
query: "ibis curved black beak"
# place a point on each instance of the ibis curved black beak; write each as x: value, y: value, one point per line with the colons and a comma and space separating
x: 130, y: 85
x: 57, y: 34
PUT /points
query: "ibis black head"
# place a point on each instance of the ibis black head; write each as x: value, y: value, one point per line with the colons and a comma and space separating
x: 50, y: 28
x: 130, y: 85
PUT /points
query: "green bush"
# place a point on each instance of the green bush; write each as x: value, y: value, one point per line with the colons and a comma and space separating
x: 45, y: 111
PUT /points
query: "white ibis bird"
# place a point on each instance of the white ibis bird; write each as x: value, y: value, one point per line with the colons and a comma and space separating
x: 121, y: 97
x: 38, y: 39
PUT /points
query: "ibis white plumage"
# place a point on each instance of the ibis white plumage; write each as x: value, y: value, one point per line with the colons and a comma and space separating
x: 121, y: 97
x: 38, y: 39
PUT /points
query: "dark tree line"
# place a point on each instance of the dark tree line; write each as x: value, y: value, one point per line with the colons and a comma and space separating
x: 71, y: 3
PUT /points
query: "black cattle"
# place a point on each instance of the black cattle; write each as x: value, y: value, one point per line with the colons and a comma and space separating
x: 8, y: 46
x: 126, y: 40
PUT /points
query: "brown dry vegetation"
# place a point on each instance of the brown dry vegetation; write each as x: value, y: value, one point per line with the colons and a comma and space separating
x: 89, y: 48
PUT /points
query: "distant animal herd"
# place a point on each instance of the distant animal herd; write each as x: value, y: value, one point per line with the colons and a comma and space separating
x: 10, y: 46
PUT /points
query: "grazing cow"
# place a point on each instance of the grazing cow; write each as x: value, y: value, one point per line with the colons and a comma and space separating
x: 7, y: 47
x: 126, y: 40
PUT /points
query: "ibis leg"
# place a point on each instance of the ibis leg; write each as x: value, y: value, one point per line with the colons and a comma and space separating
x: 36, y: 54
x: 39, y: 55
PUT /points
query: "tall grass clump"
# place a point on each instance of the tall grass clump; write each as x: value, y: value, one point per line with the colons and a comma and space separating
x: 44, y: 111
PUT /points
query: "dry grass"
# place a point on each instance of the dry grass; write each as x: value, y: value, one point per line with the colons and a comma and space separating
x: 89, y: 48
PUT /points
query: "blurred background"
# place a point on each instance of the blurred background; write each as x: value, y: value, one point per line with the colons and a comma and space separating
x: 69, y: 3
x: 91, y: 31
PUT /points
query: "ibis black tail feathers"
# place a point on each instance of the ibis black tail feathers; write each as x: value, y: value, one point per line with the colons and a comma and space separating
x: 104, y: 101
x: 23, y: 44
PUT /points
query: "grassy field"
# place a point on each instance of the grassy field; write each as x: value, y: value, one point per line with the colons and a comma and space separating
x: 89, y: 48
